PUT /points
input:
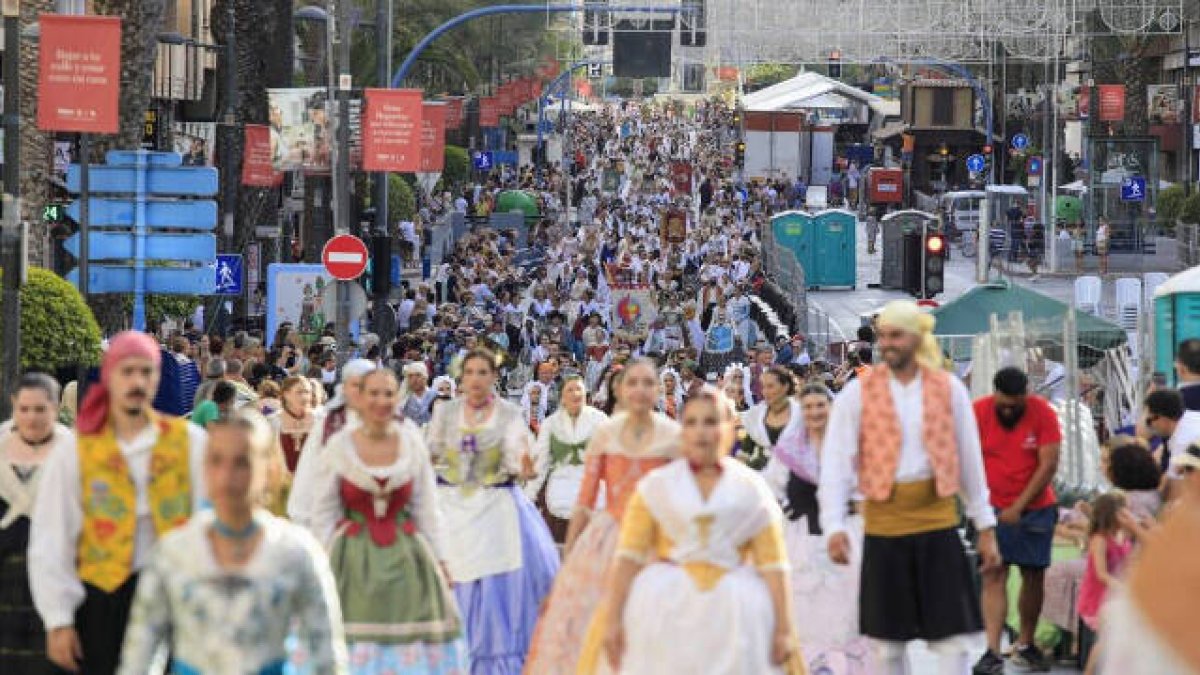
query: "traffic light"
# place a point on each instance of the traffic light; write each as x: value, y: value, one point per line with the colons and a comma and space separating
x: 835, y: 63
x: 739, y: 153
x: 987, y: 150
x: 935, y: 265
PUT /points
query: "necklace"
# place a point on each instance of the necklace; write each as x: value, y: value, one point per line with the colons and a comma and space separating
x: 240, y: 538
x: 35, y: 445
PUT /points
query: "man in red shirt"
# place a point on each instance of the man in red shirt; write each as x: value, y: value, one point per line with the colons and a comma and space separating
x: 1020, y: 437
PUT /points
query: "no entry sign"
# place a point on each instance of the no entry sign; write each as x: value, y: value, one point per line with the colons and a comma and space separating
x: 345, y: 257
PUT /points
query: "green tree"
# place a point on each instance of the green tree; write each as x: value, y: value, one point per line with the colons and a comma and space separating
x: 1171, y: 202
x: 402, y: 204
x: 57, y: 328
x: 457, y: 169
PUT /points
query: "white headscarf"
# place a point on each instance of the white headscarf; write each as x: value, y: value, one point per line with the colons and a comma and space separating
x: 445, y: 379
x: 745, y: 373
x: 353, y: 368
x: 527, y: 400
x: 678, y: 395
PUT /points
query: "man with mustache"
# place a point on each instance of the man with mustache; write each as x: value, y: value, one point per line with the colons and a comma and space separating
x: 135, y: 475
x: 1020, y: 436
x: 906, y: 430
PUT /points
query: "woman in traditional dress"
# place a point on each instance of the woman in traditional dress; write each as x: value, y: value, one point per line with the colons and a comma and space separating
x: 622, y: 450
x: 533, y: 405
x: 224, y: 592
x: 700, y: 582
x: 497, y: 547
x: 294, y: 420
x: 671, y: 401
x: 825, y: 594
x: 25, y: 442
x: 558, y: 456
x: 377, y: 508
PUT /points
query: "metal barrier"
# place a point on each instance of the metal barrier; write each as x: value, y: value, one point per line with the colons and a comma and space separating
x: 784, y: 271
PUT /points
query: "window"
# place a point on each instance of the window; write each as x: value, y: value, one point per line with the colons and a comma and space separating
x: 943, y: 107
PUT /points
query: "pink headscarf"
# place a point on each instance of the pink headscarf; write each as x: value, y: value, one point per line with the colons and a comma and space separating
x: 93, y: 414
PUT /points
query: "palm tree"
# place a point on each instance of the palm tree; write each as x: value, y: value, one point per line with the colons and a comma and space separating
x: 35, y: 143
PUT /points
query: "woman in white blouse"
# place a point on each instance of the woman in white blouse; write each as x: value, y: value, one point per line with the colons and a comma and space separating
x: 223, y: 593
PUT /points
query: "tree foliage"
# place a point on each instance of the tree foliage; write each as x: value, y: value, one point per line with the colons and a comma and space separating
x: 1171, y: 203
x: 457, y: 170
x: 402, y: 204
x: 57, y: 328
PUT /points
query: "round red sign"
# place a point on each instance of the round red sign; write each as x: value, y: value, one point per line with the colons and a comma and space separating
x: 345, y: 257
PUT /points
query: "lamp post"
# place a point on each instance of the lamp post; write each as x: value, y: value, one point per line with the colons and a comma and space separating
x: 11, y: 239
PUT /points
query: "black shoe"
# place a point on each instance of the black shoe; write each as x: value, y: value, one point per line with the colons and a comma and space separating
x: 989, y: 664
x: 1030, y: 659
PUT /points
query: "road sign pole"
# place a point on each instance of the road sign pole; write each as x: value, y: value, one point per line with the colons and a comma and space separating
x: 139, y: 246
x: 85, y: 160
x: 11, y: 370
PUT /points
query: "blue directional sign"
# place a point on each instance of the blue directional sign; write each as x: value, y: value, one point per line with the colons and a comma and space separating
x: 1020, y: 142
x: 482, y: 161
x: 165, y: 280
x: 192, y: 214
x: 975, y: 163
x: 108, y: 245
x: 229, y: 275
x: 505, y: 157
x: 142, y: 192
x: 1133, y: 189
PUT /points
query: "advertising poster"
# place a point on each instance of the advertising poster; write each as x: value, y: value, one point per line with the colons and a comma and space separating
x: 433, y: 136
x: 454, y: 112
x: 1111, y: 102
x: 79, y: 73
x: 195, y: 142
x: 489, y: 112
x: 300, y: 129
x: 1163, y: 104
x: 391, y: 130
x: 294, y: 295
x: 257, y: 169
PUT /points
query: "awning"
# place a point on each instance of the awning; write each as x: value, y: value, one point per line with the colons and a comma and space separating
x: 889, y: 130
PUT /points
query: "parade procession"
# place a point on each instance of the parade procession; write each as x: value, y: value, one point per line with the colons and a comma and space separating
x: 382, y: 337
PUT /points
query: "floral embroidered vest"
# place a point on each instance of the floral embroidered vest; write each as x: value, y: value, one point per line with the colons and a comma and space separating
x: 880, y: 434
x: 106, y: 541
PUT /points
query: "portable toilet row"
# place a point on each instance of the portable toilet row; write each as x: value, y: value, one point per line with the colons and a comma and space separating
x: 824, y: 244
x: 1176, y: 318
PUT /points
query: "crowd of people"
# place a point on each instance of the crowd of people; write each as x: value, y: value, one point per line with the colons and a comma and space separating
x: 601, y: 461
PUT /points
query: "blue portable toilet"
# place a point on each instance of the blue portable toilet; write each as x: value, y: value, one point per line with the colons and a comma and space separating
x: 794, y: 231
x: 834, y: 249
x: 1176, y: 318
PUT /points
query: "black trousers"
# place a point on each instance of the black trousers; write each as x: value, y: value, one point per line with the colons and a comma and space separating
x: 918, y: 587
x: 100, y: 622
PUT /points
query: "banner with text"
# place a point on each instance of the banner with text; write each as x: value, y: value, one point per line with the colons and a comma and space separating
x: 433, y: 136
x: 1111, y: 101
x: 257, y: 169
x: 79, y: 73
x: 489, y: 112
x: 454, y: 112
x: 392, y: 130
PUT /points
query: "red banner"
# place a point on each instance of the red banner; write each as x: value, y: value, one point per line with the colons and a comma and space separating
x: 391, y: 128
x: 454, y: 112
x: 433, y: 136
x: 257, y: 168
x: 489, y: 112
x: 505, y: 96
x: 79, y: 73
x: 681, y: 177
x: 1111, y: 102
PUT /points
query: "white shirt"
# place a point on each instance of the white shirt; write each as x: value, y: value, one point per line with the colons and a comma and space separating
x: 839, y: 478
x: 1186, y: 433
x: 58, y: 520
x: 404, y: 314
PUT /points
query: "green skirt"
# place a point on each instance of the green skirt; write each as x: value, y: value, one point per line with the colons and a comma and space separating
x: 394, y: 594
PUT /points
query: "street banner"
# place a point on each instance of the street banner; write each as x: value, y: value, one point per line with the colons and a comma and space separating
x: 300, y: 130
x: 433, y: 136
x: 489, y: 112
x: 454, y: 112
x: 505, y: 98
x: 1163, y: 104
x: 195, y: 141
x: 79, y: 73
x: 1111, y: 102
x: 392, y: 130
x: 257, y: 169
x: 1084, y: 102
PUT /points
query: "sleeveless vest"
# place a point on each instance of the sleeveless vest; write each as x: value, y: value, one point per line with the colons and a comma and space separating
x: 106, y: 540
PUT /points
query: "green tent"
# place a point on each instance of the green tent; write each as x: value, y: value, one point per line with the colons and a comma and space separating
x: 1043, y: 317
x: 517, y: 200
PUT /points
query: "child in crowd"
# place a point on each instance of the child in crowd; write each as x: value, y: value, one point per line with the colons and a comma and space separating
x: 1110, y: 542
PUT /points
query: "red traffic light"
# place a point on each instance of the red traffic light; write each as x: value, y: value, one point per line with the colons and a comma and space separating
x: 935, y: 244
x: 987, y: 149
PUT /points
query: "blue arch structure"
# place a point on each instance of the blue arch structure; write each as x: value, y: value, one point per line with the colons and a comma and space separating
x: 410, y: 60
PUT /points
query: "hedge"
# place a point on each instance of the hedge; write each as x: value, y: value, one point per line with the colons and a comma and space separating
x: 57, y: 327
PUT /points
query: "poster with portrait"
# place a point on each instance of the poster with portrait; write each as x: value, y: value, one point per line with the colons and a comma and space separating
x: 294, y: 296
x: 300, y: 130
x: 674, y: 225
x: 194, y: 141
x: 1163, y: 104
